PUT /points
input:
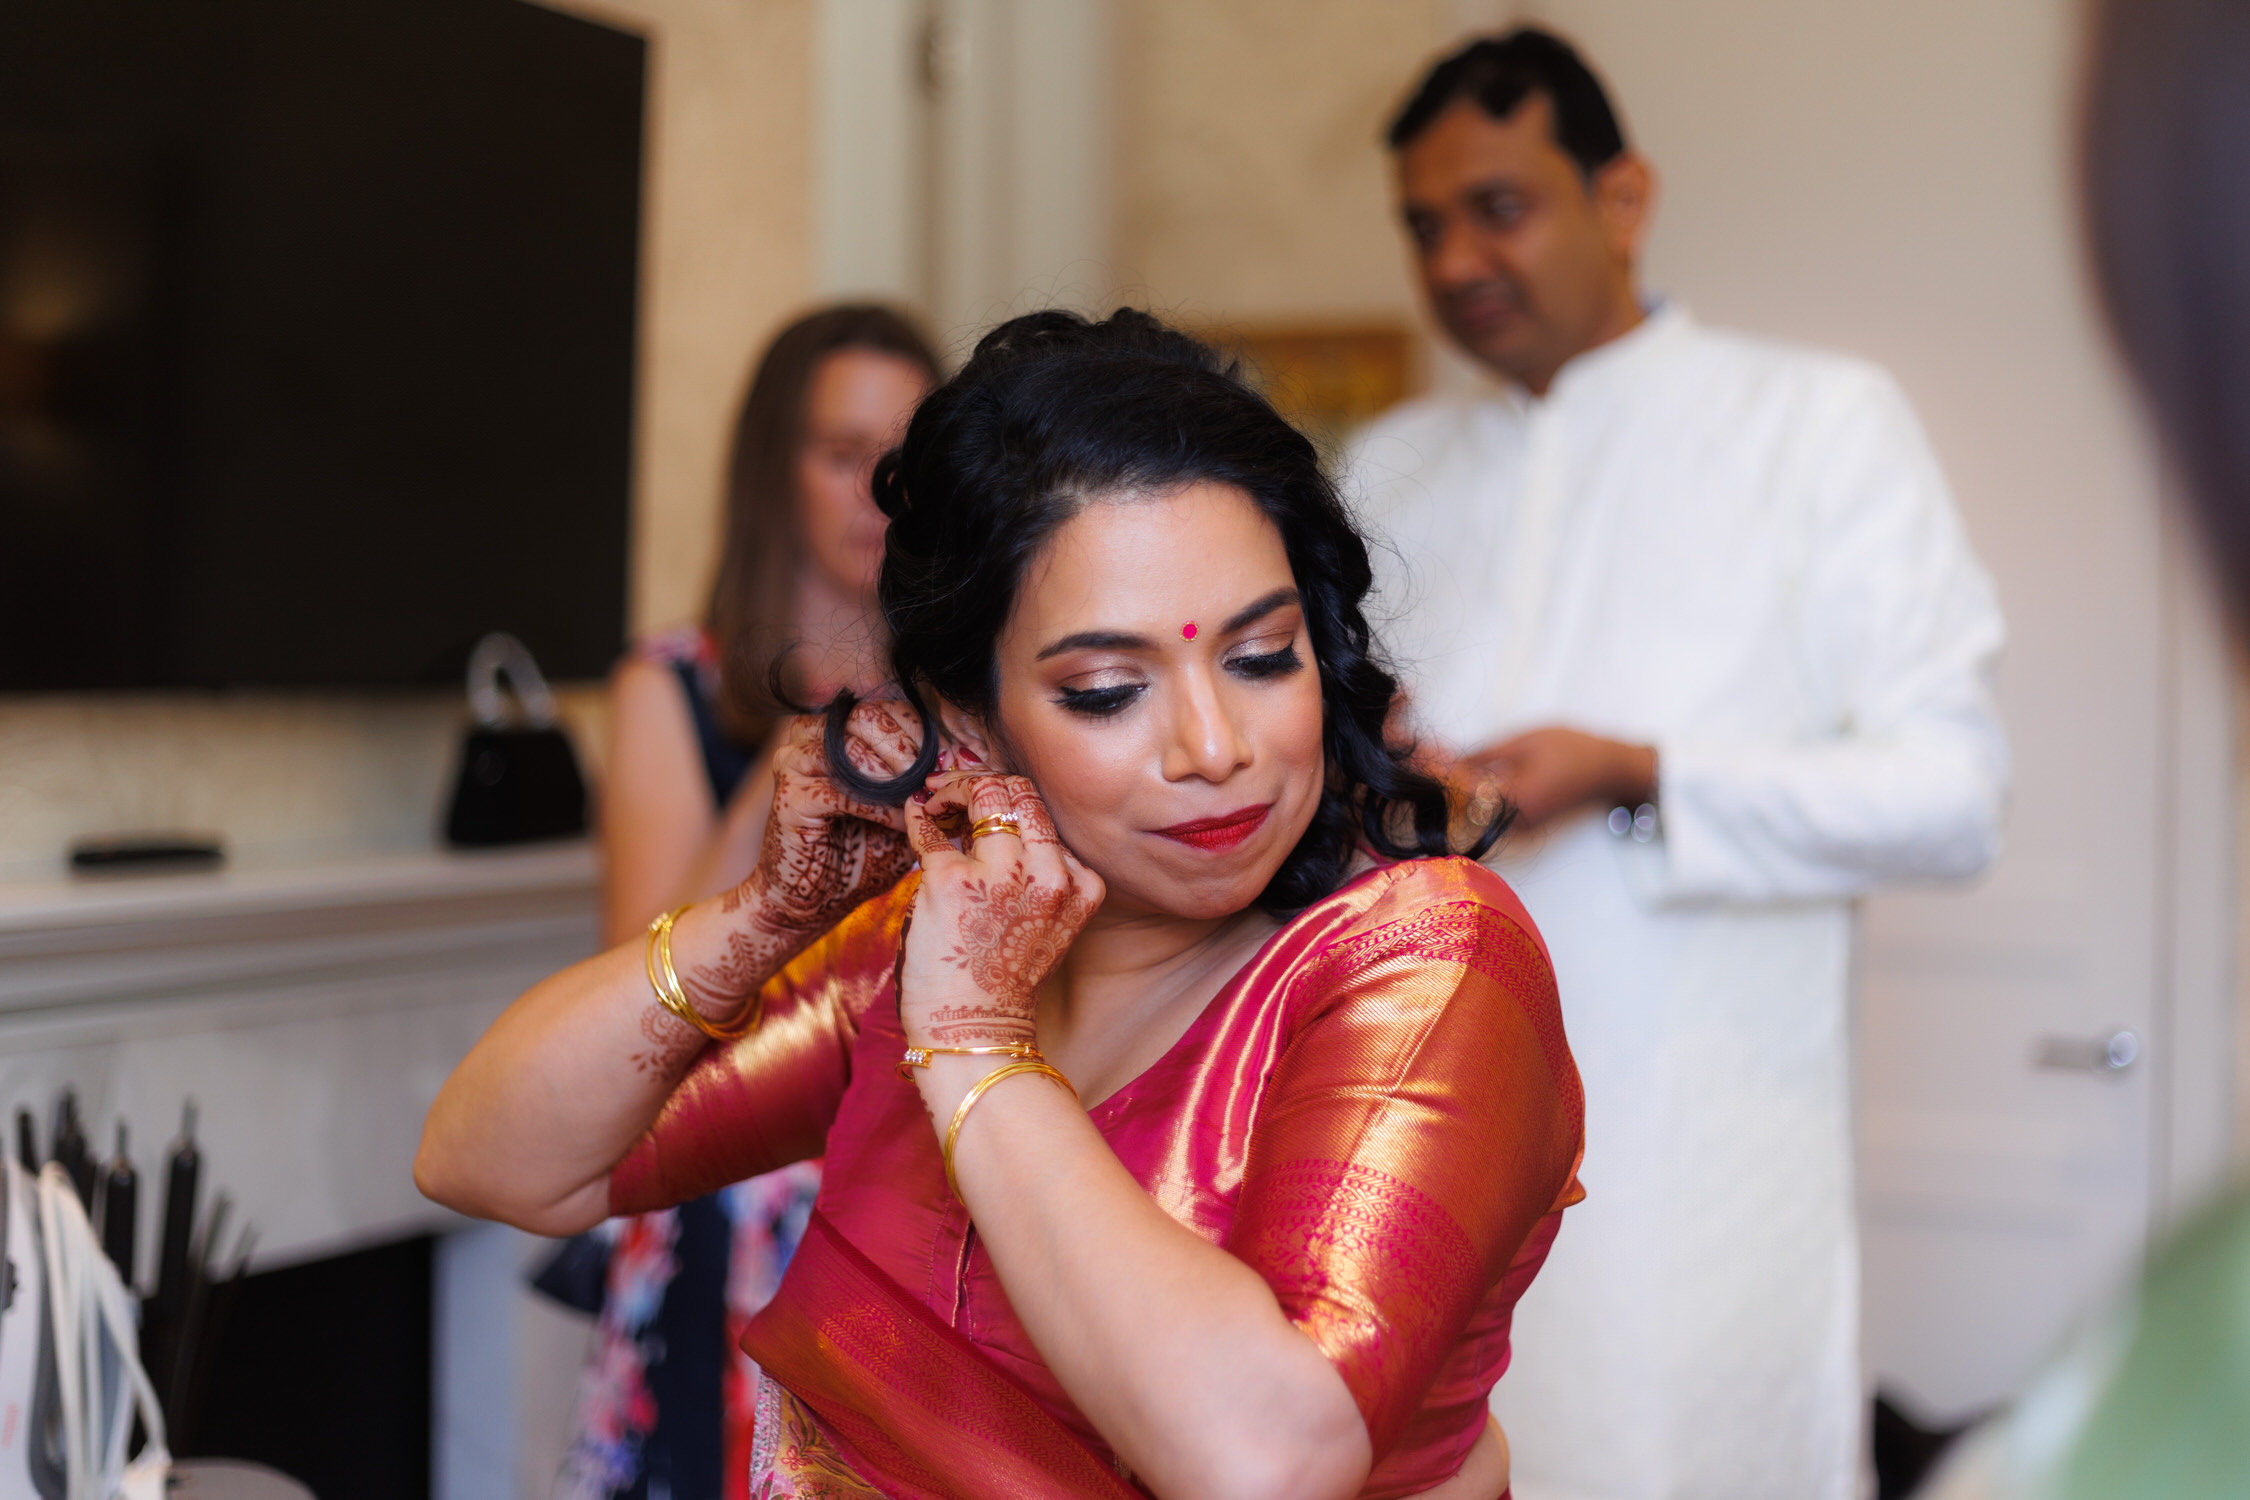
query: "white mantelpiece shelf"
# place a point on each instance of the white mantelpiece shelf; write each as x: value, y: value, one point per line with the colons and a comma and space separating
x: 310, y: 1010
x: 117, y: 938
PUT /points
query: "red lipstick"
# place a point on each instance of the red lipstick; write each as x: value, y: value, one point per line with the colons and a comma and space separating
x: 1221, y: 833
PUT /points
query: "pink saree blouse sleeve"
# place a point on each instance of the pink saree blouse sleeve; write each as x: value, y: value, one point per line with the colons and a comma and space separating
x: 767, y: 1100
x: 1421, y: 1120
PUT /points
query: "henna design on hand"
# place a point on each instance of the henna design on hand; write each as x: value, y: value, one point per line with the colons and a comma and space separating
x: 809, y: 877
x: 1032, y: 816
x: 807, y: 880
x: 824, y: 853
x: 928, y: 837
x: 1007, y: 924
x: 905, y: 744
x: 1013, y: 936
x: 862, y: 757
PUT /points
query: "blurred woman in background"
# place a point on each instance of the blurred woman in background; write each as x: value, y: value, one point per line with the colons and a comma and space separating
x: 691, y: 709
x: 665, y: 1402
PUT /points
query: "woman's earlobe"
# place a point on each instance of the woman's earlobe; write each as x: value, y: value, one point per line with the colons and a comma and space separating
x: 964, y: 737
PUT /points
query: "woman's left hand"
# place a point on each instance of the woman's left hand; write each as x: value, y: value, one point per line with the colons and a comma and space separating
x: 824, y: 851
x: 994, y: 915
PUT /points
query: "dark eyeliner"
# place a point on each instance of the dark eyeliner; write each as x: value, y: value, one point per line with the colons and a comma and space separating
x: 1097, y: 703
x: 1270, y: 664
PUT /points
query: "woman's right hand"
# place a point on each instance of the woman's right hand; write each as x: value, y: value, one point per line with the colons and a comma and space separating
x: 993, y: 917
x: 824, y: 852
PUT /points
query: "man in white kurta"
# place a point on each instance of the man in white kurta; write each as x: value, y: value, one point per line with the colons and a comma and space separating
x: 1734, y: 565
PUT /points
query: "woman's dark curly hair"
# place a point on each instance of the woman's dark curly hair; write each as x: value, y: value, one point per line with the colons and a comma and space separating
x: 1053, y: 412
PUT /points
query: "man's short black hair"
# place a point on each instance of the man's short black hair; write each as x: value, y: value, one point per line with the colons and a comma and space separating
x: 1499, y: 73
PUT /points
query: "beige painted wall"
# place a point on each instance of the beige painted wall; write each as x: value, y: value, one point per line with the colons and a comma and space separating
x: 282, y: 778
x: 1252, y: 183
x: 727, y: 258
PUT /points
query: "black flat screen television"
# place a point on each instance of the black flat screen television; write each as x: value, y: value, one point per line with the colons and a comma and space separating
x: 316, y: 339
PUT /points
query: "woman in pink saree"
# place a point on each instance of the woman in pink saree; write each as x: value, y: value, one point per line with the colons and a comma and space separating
x: 1194, y: 1114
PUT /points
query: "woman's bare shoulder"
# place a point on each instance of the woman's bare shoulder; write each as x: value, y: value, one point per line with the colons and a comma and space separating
x: 646, y: 680
x: 673, y: 646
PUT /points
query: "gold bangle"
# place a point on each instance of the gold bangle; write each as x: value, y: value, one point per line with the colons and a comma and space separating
x: 919, y: 1057
x: 953, y: 1131
x: 665, y: 980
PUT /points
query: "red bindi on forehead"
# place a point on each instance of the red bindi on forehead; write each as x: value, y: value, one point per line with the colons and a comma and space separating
x: 1187, y: 631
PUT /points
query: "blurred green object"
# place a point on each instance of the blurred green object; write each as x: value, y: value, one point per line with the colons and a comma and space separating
x: 2149, y: 1402
x: 2174, y: 1420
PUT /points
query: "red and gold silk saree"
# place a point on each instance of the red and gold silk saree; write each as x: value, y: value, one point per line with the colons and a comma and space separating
x: 1378, y: 1113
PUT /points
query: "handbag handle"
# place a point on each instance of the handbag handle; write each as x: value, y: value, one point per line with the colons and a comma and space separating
x: 500, y: 653
x: 95, y: 1329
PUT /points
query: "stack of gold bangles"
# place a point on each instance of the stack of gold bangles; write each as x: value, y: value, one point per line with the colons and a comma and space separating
x: 665, y: 980
x: 1025, y: 1059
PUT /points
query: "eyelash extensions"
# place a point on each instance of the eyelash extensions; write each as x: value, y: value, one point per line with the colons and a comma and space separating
x: 1101, y: 703
x: 1271, y: 664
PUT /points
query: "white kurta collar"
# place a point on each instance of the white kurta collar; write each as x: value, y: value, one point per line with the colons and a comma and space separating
x: 1605, y: 366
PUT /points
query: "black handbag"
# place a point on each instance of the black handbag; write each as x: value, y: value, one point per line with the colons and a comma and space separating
x: 517, y: 784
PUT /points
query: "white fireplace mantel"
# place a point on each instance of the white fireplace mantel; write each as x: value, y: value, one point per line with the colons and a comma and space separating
x: 310, y: 1010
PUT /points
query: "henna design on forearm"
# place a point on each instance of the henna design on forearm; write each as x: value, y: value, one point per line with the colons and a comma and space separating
x: 720, y: 988
x: 978, y: 1026
x: 672, y: 1043
x: 807, y: 880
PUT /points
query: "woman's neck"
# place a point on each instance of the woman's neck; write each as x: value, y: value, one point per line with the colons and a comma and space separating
x: 1131, y: 984
x: 1135, y: 947
x: 832, y: 628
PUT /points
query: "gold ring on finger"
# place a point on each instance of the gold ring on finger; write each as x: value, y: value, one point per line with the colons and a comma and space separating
x: 997, y: 823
